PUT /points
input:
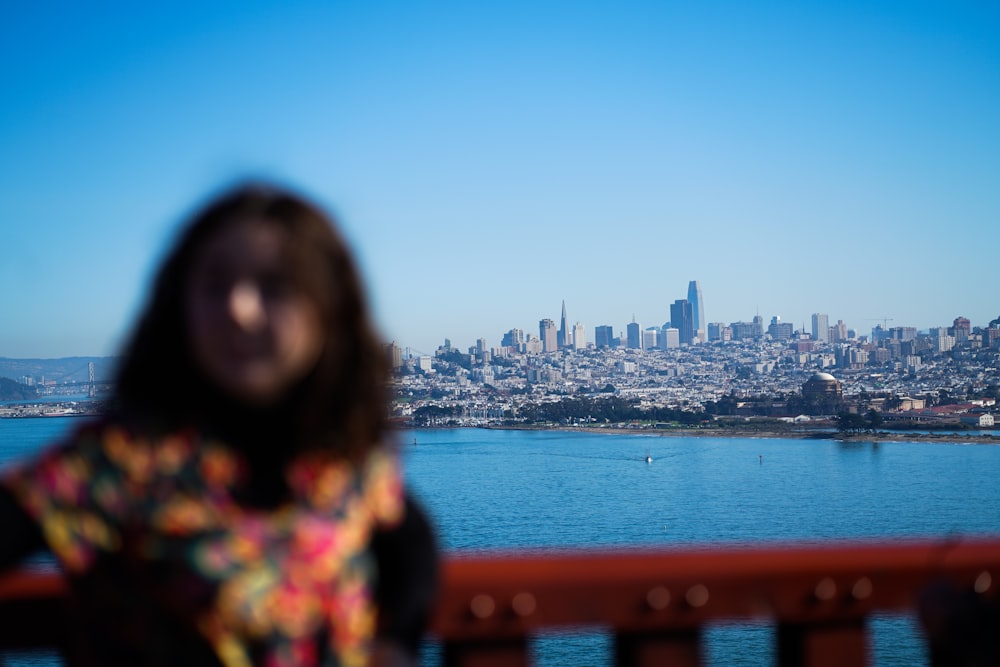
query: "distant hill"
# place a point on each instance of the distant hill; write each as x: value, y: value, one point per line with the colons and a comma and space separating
x: 10, y: 390
x: 60, y: 371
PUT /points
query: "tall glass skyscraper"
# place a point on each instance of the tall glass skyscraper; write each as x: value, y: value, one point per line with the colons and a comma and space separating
x: 697, y: 310
x: 633, y: 337
x: 682, y: 319
x: 603, y: 335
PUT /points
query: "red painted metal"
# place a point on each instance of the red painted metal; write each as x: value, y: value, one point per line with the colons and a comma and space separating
x: 818, y: 595
x: 654, y: 603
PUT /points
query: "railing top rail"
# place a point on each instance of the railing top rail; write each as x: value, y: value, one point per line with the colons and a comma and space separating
x: 497, y: 595
x: 686, y: 587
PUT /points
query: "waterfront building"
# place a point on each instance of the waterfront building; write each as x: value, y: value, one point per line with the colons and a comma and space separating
x: 822, y: 385
x: 821, y: 328
x: 697, y: 311
x: 978, y: 419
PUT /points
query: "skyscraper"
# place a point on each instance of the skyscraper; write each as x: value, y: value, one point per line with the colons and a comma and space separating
x: 603, y: 335
x: 579, y: 337
x: 697, y: 310
x: 779, y: 330
x: 633, y: 335
x: 547, y: 332
x: 565, y: 336
x: 671, y: 338
x: 394, y: 353
x: 651, y: 338
x: 821, y: 327
x: 513, y: 339
x: 682, y: 319
x: 961, y: 329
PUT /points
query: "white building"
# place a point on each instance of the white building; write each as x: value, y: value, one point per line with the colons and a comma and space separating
x: 982, y: 420
x: 671, y: 338
x: 821, y: 328
x: 579, y: 337
x: 651, y: 338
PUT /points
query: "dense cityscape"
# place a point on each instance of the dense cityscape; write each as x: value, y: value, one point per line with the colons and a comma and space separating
x: 686, y: 372
x: 691, y: 371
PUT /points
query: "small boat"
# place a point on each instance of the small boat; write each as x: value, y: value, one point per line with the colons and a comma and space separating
x: 649, y: 459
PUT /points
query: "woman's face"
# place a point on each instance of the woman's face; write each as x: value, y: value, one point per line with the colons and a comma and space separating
x: 253, y: 331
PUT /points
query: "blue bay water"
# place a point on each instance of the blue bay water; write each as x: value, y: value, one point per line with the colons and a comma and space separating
x: 495, y: 489
x: 550, y: 489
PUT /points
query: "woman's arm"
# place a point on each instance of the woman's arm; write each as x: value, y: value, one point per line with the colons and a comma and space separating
x: 407, y: 561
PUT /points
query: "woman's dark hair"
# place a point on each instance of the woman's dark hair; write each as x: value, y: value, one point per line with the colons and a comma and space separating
x: 340, y: 407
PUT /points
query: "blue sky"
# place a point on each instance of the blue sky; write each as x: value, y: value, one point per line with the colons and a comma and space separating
x: 490, y: 160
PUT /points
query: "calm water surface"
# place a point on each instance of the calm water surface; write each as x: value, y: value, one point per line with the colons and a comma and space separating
x: 492, y: 489
x: 551, y: 489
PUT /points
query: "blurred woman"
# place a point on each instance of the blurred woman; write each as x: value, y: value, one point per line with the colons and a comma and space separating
x: 242, y: 503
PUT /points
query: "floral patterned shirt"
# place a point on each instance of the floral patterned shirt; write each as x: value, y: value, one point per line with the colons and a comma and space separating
x: 159, y: 518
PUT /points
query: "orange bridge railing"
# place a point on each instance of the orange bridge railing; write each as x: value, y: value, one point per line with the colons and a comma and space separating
x: 655, y: 604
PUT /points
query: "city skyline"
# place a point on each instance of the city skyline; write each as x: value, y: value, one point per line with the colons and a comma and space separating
x: 488, y: 161
x: 819, y: 327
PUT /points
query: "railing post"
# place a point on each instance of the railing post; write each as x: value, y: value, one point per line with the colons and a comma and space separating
x: 486, y: 653
x: 654, y: 649
x: 831, y: 644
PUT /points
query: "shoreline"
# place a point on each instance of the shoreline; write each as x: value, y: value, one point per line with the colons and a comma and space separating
x: 944, y: 437
x: 878, y: 436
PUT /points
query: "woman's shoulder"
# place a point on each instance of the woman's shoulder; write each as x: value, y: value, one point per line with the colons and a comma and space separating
x: 325, y: 482
x: 108, y: 452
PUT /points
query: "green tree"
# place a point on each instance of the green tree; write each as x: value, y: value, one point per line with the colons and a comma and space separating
x: 849, y: 422
x: 873, y: 420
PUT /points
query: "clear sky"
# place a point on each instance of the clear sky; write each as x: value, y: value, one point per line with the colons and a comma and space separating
x: 490, y: 160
